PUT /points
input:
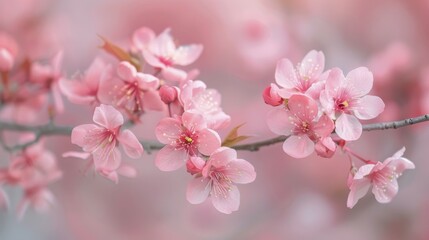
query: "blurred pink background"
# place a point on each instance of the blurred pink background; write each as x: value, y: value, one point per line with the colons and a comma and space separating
x: 243, y: 39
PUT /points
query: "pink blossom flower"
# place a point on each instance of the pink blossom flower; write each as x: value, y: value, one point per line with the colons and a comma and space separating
x: 381, y: 176
x: 161, y: 52
x: 168, y: 94
x: 218, y: 178
x: 305, y: 78
x: 38, y: 197
x: 196, y: 98
x: 101, y: 139
x: 84, y: 90
x: 8, y: 52
x: 184, y: 137
x: 347, y: 97
x: 300, y: 122
x: 271, y: 96
x: 133, y: 91
x: 49, y: 77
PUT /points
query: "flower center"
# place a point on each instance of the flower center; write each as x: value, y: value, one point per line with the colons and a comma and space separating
x: 221, y: 184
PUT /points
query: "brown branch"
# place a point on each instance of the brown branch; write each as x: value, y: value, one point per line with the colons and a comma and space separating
x: 149, y: 146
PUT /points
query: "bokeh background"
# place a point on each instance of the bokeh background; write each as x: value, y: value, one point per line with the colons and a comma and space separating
x: 243, y: 39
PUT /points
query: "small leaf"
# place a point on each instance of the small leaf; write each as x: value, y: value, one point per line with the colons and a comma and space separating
x: 233, y: 138
x: 119, y: 53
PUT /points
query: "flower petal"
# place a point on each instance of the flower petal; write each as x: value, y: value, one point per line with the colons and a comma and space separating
x: 298, y: 146
x: 312, y: 65
x: 174, y: 74
x: 127, y: 171
x: 108, y: 117
x: 368, y: 107
x: 279, y: 122
x: 324, y: 126
x: 152, y: 101
x: 303, y: 107
x: 240, y: 171
x: 126, y: 71
x: 358, y: 189
x: 285, y: 74
x: 142, y: 37
x: 359, y: 82
x: 186, y: 55
x: 198, y: 190
x: 385, y: 191
x: 208, y: 141
x: 227, y: 203
x: 193, y: 121
x: 169, y: 158
x: 168, y: 130
x: 348, y: 127
x: 130, y: 144
x: 80, y: 132
x: 222, y: 157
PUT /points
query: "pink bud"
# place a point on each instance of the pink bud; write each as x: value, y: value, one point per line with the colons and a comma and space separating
x: 6, y: 60
x: 271, y: 97
x: 168, y: 94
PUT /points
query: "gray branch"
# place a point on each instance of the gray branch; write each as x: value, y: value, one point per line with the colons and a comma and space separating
x: 149, y: 146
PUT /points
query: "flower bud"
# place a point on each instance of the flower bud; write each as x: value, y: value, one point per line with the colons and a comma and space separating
x: 168, y: 94
x: 271, y: 96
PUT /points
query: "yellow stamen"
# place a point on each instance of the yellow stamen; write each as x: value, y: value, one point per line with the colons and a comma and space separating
x: 188, y: 139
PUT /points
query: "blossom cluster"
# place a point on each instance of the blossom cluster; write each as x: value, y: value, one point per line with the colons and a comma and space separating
x: 319, y: 110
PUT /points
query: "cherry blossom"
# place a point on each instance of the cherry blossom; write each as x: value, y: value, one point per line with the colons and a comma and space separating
x: 300, y: 121
x: 184, y: 137
x: 305, y: 78
x: 218, y: 178
x: 345, y: 99
x: 161, y: 52
x: 102, y: 138
x: 196, y: 98
x: 271, y: 96
x: 84, y: 90
x: 381, y: 176
x: 133, y: 91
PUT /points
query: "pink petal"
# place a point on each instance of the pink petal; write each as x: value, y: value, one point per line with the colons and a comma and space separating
x: 227, y: 203
x: 358, y: 190
x: 81, y: 155
x: 108, y: 88
x: 324, y: 126
x: 298, y: 146
x: 303, y: 107
x: 108, y: 117
x: 334, y: 81
x: 312, y: 65
x: 348, y: 127
x: 198, y: 190
x: 4, y: 200
x: 127, y: 171
x: 58, y: 100
x: 95, y: 72
x: 152, y: 101
x: 327, y: 103
x: 359, y: 82
x: 126, y: 71
x: 240, y: 171
x: 174, y: 74
x: 368, y: 107
x: 169, y: 158
x: 285, y: 74
x: 279, y: 122
x: 168, y: 130
x: 364, y: 171
x: 152, y: 59
x: 385, y: 191
x: 76, y: 92
x: 130, y: 144
x: 109, y: 162
x: 193, y: 122
x: 186, y: 55
x: 208, y: 141
x: 166, y: 46
x: 80, y: 132
x: 222, y: 157
x: 142, y: 37
x: 147, y: 81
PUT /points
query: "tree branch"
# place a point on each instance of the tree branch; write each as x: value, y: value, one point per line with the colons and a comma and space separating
x: 149, y: 146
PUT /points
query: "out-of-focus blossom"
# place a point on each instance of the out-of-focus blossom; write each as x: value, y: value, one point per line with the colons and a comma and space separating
x: 85, y: 90
x: 381, y: 176
x: 218, y: 178
x: 184, y: 137
x: 8, y: 52
x: 49, y: 76
x: 299, y: 121
x: 161, y: 52
x: 101, y: 139
x: 345, y: 99
x: 133, y: 91
x: 196, y: 98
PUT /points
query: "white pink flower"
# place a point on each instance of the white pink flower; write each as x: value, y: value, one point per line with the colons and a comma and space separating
x: 345, y: 99
x: 218, y: 178
x: 381, y: 176
x: 306, y: 78
x: 184, y: 137
x: 101, y: 139
x: 300, y: 122
x: 161, y: 52
x: 196, y: 98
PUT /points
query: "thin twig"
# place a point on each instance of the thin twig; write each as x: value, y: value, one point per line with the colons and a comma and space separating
x: 149, y: 146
